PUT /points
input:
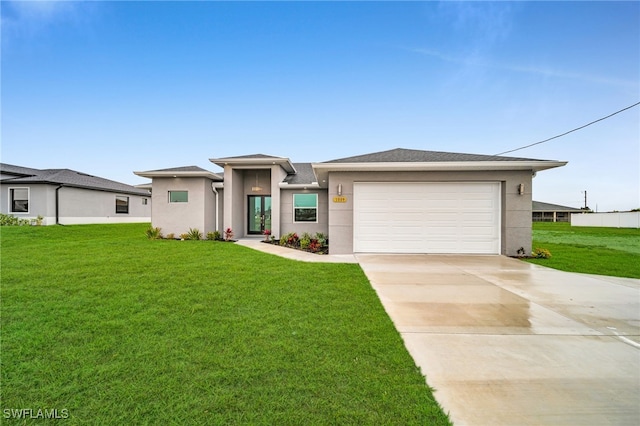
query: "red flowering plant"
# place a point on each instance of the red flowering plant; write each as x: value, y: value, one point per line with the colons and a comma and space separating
x: 228, y: 234
x: 266, y: 233
x: 293, y: 239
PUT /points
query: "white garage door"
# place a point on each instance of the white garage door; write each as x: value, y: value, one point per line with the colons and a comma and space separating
x: 433, y: 217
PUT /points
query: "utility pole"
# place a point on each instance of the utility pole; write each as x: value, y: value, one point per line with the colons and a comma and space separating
x: 585, y: 200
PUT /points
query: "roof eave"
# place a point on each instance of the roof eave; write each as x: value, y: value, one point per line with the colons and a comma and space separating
x: 322, y: 169
x: 175, y: 174
x: 283, y: 162
x: 312, y: 185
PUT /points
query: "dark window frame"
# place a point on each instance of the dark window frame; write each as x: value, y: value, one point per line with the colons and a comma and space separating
x: 122, y: 207
x: 19, y: 205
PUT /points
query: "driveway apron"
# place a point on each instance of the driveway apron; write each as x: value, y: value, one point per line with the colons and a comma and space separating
x: 504, y: 342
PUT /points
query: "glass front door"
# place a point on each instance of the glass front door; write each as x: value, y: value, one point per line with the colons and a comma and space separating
x: 259, y: 213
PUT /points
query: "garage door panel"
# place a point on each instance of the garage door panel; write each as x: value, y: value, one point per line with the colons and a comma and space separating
x: 433, y: 217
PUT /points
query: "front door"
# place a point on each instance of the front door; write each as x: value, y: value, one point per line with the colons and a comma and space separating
x: 259, y: 213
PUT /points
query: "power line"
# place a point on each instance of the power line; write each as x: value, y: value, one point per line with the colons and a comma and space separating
x: 570, y: 131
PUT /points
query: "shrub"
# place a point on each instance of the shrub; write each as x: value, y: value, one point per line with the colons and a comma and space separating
x: 37, y: 221
x: 292, y: 239
x: 9, y: 220
x: 211, y: 236
x: 153, y: 233
x: 184, y: 236
x: 305, y: 241
x: 194, y: 234
x: 228, y: 234
x: 171, y: 236
x: 321, y: 238
x: 541, y: 253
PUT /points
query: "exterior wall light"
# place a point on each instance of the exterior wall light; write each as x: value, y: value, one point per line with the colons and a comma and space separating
x: 339, y: 189
x: 521, y: 189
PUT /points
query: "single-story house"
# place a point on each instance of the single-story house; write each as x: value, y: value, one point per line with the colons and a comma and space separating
x: 547, y: 212
x: 397, y: 201
x: 63, y: 196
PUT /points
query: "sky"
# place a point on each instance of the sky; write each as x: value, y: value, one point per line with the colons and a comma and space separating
x: 109, y: 88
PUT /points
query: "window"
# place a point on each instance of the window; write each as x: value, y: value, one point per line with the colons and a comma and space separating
x: 19, y: 199
x: 122, y: 204
x: 144, y: 201
x: 178, y: 196
x: 305, y: 207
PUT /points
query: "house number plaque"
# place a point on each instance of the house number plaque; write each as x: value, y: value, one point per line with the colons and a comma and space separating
x: 339, y: 199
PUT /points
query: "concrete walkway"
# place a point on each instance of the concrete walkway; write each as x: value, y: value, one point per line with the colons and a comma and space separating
x: 504, y: 342
x: 292, y: 254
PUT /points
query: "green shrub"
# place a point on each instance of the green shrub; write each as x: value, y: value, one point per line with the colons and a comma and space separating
x: 9, y: 220
x: 171, y: 236
x: 305, y: 241
x: 37, y: 221
x: 541, y: 253
x: 193, y: 234
x: 211, y: 236
x: 153, y: 233
x: 321, y: 238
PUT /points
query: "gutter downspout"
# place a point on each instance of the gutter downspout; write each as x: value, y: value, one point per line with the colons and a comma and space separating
x: 215, y: 191
x: 58, y: 204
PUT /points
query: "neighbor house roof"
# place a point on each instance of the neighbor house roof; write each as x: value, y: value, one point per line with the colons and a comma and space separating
x: 538, y: 206
x: 416, y: 160
x: 184, y: 171
x: 24, y: 175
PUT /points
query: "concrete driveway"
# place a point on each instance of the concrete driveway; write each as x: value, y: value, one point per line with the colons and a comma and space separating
x: 504, y: 342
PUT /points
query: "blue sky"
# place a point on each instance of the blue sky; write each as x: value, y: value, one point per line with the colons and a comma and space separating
x: 111, y: 87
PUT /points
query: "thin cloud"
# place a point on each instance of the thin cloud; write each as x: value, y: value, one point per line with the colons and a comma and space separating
x: 30, y: 18
x: 540, y: 71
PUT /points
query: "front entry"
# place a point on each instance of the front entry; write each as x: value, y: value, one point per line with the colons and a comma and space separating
x: 259, y: 213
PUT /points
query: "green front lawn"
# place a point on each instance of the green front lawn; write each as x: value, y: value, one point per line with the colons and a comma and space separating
x: 591, y: 250
x: 118, y: 329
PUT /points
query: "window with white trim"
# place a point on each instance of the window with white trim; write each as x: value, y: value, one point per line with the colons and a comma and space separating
x: 305, y: 208
x: 18, y: 200
x: 122, y: 204
x: 178, y: 196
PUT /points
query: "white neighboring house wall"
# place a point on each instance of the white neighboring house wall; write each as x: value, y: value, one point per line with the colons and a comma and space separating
x: 607, y: 220
x: 75, y: 206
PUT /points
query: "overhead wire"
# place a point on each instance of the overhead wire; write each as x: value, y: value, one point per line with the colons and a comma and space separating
x: 571, y: 131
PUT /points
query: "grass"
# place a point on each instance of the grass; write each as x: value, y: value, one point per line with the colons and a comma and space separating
x: 119, y: 329
x: 591, y: 250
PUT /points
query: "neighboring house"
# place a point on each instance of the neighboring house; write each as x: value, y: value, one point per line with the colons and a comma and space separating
x: 547, y: 212
x: 63, y: 196
x: 397, y: 201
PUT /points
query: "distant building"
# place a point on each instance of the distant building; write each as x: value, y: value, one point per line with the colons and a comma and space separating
x: 66, y: 197
x: 547, y: 212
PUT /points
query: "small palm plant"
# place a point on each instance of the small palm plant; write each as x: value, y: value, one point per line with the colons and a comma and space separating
x: 194, y: 234
x: 153, y: 233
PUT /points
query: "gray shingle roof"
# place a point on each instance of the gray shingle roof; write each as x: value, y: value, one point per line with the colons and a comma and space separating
x: 401, y: 155
x: 66, y: 177
x: 304, y: 175
x: 181, y: 169
x: 548, y: 207
x: 249, y: 156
